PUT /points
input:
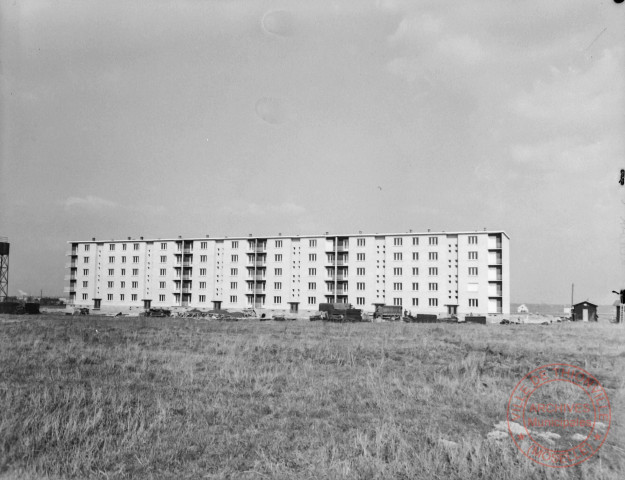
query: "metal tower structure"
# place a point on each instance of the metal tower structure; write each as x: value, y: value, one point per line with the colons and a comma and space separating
x: 4, y: 268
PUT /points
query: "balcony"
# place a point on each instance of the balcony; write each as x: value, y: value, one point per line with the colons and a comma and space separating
x: 73, y: 252
x: 70, y: 289
x: 339, y: 278
x: 257, y: 291
x: 261, y: 248
x: 71, y: 265
x: 258, y: 278
x: 186, y: 263
x: 257, y: 264
x: 338, y: 291
x: 71, y: 278
x: 186, y: 289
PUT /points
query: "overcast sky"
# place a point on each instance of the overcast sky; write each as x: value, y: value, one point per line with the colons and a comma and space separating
x: 166, y: 118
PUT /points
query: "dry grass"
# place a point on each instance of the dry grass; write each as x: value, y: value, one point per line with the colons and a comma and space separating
x: 172, y: 398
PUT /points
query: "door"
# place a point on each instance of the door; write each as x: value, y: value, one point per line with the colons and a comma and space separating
x: 585, y: 315
x: 147, y: 304
x: 294, y: 307
x: 96, y: 303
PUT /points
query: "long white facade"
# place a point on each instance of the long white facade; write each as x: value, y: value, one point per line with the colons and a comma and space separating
x: 433, y: 272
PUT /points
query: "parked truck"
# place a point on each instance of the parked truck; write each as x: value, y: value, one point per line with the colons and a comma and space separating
x: 388, y: 312
x: 338, y: 312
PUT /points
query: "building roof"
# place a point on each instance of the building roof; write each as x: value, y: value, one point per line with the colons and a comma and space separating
x: 280, y: 236
x: 584, y: 303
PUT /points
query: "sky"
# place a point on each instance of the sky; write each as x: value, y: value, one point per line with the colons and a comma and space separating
x: 160, y: 118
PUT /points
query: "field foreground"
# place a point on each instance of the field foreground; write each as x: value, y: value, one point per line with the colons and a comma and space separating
x: 96, y: 397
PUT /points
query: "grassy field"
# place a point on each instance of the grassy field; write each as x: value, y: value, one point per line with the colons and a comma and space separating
x: 97, y: 397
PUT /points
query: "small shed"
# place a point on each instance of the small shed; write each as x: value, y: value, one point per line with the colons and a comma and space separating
x: 585, y: 312
x: 522, y: 309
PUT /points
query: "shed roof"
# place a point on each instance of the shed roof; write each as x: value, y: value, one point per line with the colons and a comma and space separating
x: 585, y: 303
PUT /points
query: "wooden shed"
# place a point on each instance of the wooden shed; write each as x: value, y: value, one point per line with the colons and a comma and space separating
x: 584, y: 312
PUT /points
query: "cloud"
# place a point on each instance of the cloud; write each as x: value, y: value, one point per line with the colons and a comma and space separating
x: 89, y: 202
x: 255, y: 209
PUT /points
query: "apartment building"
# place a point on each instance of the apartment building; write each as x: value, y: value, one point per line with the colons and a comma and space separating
x: 431, y: 272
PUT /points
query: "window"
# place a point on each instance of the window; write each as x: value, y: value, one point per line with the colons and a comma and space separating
x: 278, y: 257
x: 278, y: 272
x: 233, y: 258
x: 163, y: 258
x: 161, y: 298
x: 203, y: 272
x: 397, y: 256
x: 233, y: 299
x: 360, y: 271
x: 85, y: 259
x: 433, y: 240
x: 122, y: 284
x: 203, y: 258
x: 135, y: 246
x: 415, y: 302
x: 135, y: 272
x: 85, y: 271
x: 433, y: 271
x: 110, y: 284
x: 433, y: 302
x: 112, y: 247
x: 203, y: 245
x: 312, y: 243
x: 278, y: 243
x: 360, y: 242
x: 397, y: 302
x: 135, y: 259
x: 233, y: 271
x: 111, y: 259
x: 433, y: 255
x: 202, y: 285
x: 202, y: 298
x: 135, y: 284
x: 312, y: 257
x: 415, y: 270
x: 124, y: 246
x: 415, y: 240
x: 233, y: 285
x: 163, y: 246
x: 122, y: 296
x: 123, y: 259
x: 360, y: 300
x: 397, y: 241
x: 415, y: 286
x: 277, y: 300
x: 397, y: 286
x: 472, y: 271
x: 85, y: 296
x: 311, y: 272
x: 86, y: 248
x: 472, y: 239
x: 360, y: 285
x: 277, y: 285
x: 360, y: 257
x: 415, y: 255
x: 161, y: 284
x: 432, y: 287
x: 111, y: 272
x: 85, y: 284
x: 162, y: 272
x: 472, y: 302
x: 133, y: 297
x: 123, y: 272
x: 397, y: 271
x: 472, y: 255
x: 109, y: 296
x: 312, y: 300
x: 312, y: 286
x: 235, y: 244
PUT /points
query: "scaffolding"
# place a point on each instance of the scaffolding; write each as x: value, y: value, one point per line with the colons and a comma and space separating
x: 4, y: 269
